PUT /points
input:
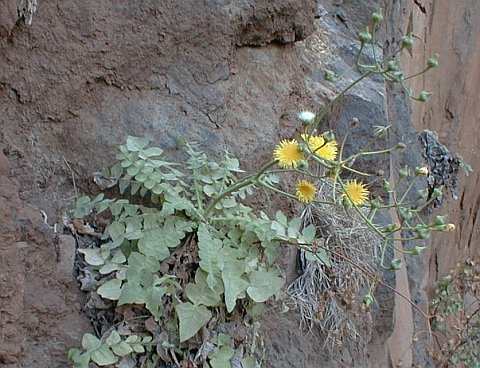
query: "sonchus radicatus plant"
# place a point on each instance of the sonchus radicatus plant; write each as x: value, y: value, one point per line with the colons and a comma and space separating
x: 195, y: 264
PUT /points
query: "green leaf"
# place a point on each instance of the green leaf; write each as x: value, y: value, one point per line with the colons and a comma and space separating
x: 308, y: 234
x: 320, y: 256
x: 264, y: 284
x: 281, y: 218
x: 90, y: 342
x: 153, y: 151
x: 110, y: 289
x: 103, y: 356
x: 94, y: 256
x: 116, y: 231
x: 131, y: 294
x: 113, y: 339
x: 221, y: 357
x: 153, y: 245
x: 200, y: 293
x: 135, y: 144
x: 209, y: 250
x: 122, y: 349
x: 139, y: 261
x: 249, y: 362
x: 153, y: 299
x: 80, y: 360
x: 191, y: 319
x: 234, y: 284
x: 133, y: 230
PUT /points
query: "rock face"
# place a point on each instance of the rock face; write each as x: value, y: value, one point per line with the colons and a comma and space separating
x: 224, y: 73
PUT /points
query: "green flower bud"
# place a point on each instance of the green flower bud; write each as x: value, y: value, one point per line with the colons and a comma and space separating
x: 368, y: 300
x: 304, y: 147
x: 422, y: 194
x: 437, y: 192
x: 380, y: 131
x: 403, y: 173
x: 396, y: 76
x: 329, y: 76
x: 423, y: 233
x: 302, y: 165
x: 365, y: 37
x: 328, y: 136
x: 396, y: 264
x: 407, y: 41
x: 439, y: 220
x: 386, y: 185
x: 346, y: 203
x: 417, y: 250
x: 432, y: 62
x: 375, y: 203
x: 405, y: 213
x: 424, y: 96
x: 392, y: 66
x: 377, y: 17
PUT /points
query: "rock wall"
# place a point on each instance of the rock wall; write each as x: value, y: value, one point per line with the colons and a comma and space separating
x: 226, y: 74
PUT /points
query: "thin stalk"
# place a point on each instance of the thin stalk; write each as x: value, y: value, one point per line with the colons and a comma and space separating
x: 242, y: 183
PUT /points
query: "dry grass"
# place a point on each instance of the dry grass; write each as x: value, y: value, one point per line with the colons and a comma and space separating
x: 331, y: 297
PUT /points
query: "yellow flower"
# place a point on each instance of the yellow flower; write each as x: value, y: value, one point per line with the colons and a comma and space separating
x: 449, y: 227
x: 288, y: 154
x: 356, y: 192
x: 305, y: 191
x: 317, y: 144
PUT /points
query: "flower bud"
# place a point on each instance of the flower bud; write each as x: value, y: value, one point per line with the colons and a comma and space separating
x: 380, y: 131
x: 403, y: 173
x: 380, y: 173
x: 392, y: 66
x: 401, y: 146
x: 417, y: 250
x: 437, y: 192
x: 449, y: 228
x: 422, y: 193
x: 368, y: 300
x: 421, y: 171
x: 355, y: 122
x: 407, y: 41
x: 304, y: 147
x: 432, y: 62
x: 396, y: 264
x: 302, y: 165
x: 328, y: 136
x: 377, y: 17
x: 397, y: 76
x: 424, y: 96
x: 439, y: 220
x: 329, y: 76
x: 423, y: 233
x: 386, y: 185
x: 306, y: 117
x: 375, y: 203
x: 405, y: 213
x: 365, y: 37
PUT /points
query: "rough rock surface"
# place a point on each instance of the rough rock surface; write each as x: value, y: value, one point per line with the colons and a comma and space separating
x: 226, y: 74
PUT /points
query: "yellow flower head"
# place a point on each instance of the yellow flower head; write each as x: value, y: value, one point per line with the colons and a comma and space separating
x: 317, y: 144
x: 356, y: 192
x: 449, y: 227
x: 305, y: 191
x: 288, y: 154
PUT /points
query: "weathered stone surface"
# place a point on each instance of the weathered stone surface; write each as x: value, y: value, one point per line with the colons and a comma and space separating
x: 226, y: 74
x: 8, y: 17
